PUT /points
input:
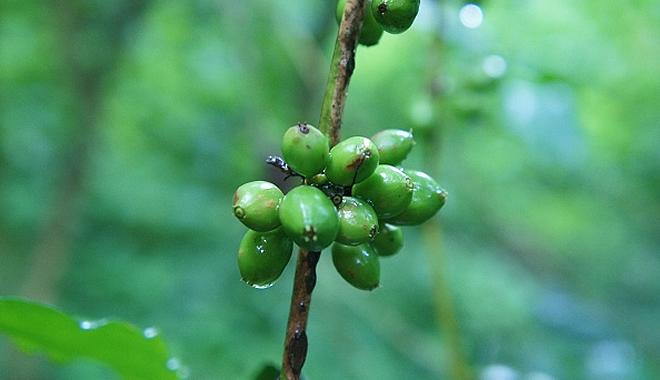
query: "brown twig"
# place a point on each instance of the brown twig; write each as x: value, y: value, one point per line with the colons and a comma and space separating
x: 341, y: 69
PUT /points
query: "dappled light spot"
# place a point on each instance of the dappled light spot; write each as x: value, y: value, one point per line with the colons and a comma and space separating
x: 494, y: 66
x: 538, y: 376
x: 499, y: 372
x: 471, y: 15
x: 174, y: 365
x: 611, y: 360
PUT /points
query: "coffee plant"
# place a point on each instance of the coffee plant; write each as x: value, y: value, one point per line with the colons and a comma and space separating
x: 353, y: 195
x: 346, y: 196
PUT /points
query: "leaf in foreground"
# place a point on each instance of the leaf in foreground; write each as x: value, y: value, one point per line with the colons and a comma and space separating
x: 134, y: 354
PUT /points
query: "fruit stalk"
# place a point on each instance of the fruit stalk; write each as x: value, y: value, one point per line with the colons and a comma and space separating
x: 332, y: 110
x: 341, y: 69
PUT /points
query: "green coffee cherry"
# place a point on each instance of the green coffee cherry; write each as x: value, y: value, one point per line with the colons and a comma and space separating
x: 395, y: 16
x: 388, y: 241
x: 388, y: 190
x: 393, y: 145
x: 357, y: 264
x: 371, y: 30
x: 256, y: 205
x: 305, y: 149
x: 352, y: 161
x: 317, y: 180
x: 427, y: 200
x: 358, y: 222
x: 309, y: 218
x: 262, y: 256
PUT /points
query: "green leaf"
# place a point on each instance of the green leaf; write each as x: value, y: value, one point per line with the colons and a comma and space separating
x: 132, y: 353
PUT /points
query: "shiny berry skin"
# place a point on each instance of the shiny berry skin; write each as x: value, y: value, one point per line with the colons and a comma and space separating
x: 351, y: 161
x: 427, y: 200
x: 388, y: 241
x: 388, y: 190
x: 395, y: 16
x: 358, y: 222
x: 393, y: 145
x: 262, y: 256
x: 371, y: 30
x: 309, y: 217
x: 357, y: 264
x: 305, y: 149
x: 256, y: 205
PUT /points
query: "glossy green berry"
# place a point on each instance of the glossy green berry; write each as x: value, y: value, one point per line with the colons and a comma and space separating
x: 309, y: 217
x: 393, y: 145
x: 427, y: 200
x: 358, y: 222
x: 256, y: 205
x: 351, y: 161
x: 357, y: 264
x: 371, y: 30
x: 318, y: 180
x: 262, y: 256
x: 388, y: 190
x: 388, y: 241
x: 305, y: 149
x: 395, y: 16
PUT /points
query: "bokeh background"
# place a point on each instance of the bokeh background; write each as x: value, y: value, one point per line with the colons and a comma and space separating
x: 126, y: 126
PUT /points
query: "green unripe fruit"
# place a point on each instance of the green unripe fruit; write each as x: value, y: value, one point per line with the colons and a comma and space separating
x: 305, y: 149
x: 256, y: 205
x: 309, y: 218
x: 262, y: 256
x: 317, y: 180
x: 388, y: 241
x: 351, y: 161
x: 357, y: 264
x: 427, y: 200
x: 388, y: 190
x: 358, y: 222
x: 393, y: 145
x: 395, y: 16
x: 371, y: 30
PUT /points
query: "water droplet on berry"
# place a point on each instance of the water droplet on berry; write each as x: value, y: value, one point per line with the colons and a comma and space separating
x: 265, y: 286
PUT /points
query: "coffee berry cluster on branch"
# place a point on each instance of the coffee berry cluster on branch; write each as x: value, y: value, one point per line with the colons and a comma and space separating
x: 353, y: 197
x: 391, y: 16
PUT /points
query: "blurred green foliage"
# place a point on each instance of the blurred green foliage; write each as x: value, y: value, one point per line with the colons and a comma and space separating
x: 126, y: 126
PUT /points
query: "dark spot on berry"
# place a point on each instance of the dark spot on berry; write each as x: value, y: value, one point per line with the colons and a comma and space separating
x: 382, y: 8
x: 304, y: 128
x: 373, y: 231
x: 355, y: 165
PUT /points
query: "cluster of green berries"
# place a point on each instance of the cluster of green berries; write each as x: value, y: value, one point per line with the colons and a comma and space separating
x: 353, y: 197
x: 391, y: 16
